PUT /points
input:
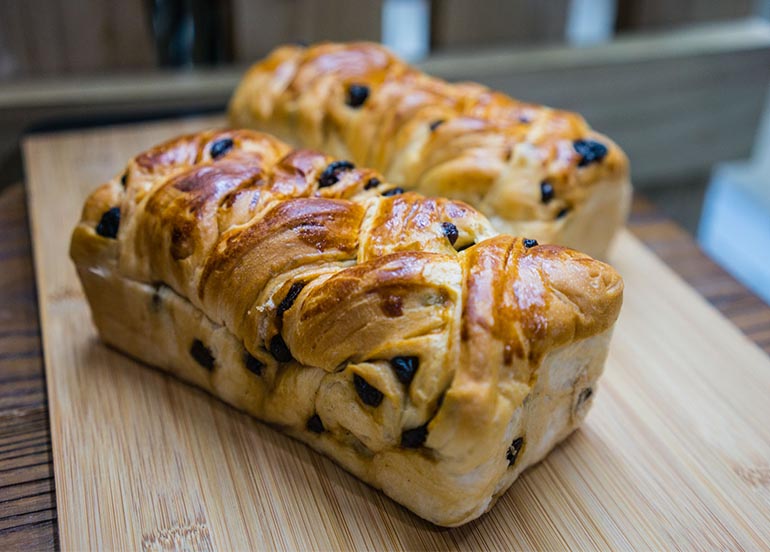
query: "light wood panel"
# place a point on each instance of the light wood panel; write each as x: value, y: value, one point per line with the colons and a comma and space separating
x: 675, y: 452
x: 484, y: 23
x: 676, y: 102
x: 55, y: 37
x: 260, y: 25
x: 28, y: 503
x: 26, y: 480
x: 648, y: 14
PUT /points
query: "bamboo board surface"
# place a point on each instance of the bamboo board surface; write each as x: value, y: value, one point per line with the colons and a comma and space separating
x: 675, y: 453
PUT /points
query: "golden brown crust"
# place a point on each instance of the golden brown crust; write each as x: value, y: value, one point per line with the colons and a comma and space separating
x: 325, y: 281
x: 461, y: 141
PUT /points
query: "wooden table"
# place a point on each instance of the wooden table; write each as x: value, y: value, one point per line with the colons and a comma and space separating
x: 28, y: 514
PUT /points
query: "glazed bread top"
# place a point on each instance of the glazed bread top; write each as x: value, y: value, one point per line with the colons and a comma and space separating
x: 527, y: 167
x: 310, y: 260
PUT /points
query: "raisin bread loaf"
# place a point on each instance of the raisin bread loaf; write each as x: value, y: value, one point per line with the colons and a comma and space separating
x: 533, y: 171
x: 398, y: 334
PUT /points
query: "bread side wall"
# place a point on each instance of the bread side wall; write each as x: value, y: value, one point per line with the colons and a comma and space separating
x: 160, y: 328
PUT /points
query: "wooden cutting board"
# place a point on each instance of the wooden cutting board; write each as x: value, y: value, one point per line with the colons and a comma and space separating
x: 676, y: 452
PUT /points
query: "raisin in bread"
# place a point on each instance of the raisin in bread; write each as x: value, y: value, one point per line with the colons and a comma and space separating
x: 398, y: 334
x: 533, y: 171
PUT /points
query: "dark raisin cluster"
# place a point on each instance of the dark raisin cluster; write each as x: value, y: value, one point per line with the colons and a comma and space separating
x: 414, y: 438
x: 450, y: 231
x: 109, y: 223
x: 546, y: 191
x: 369, y: 394
x: 435, y: 124
x: 279, y: 349
x: 405, y: 367
x: 288, y: 301
x: 202, y: 354
x: 585, y: 394
x: 253, y: 365
x: 393, y: 191
x: 357, y: 95
x: 331, y: 174
x: 513, y: 451
x: 221, y: 147
x: 590, y: 151
x: 315, y: 424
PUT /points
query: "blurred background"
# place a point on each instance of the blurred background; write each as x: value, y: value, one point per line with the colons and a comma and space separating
x: 682, y: 86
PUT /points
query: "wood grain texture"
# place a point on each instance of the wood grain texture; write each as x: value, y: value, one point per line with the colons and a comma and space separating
x: 21, y: 489
x: 484, y: 23
x: 679, y: 251
x: 634, y: 15
x: 675, y: 452
x: 674, y: 246
x: 27, y: 501
x: 17, y: 294
x: 258, y: 25
x: 677, y: 102
x: 54, y: 37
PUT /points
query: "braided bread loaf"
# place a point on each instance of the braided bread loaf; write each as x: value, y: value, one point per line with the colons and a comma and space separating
x: 533, y: 171
x: 395, y: 333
